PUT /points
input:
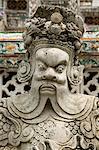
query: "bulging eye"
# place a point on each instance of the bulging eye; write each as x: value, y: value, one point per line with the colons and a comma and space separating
x: 60, y: 68
x: 42, y: 67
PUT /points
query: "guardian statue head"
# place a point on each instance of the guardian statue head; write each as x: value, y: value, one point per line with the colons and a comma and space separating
x: 54, y: 29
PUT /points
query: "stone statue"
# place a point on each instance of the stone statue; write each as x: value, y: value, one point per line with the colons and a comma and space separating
x: 49, y: 117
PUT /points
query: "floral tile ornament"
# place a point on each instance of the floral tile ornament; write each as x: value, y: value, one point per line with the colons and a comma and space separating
x: 11, y: 49
x: 11, y: 43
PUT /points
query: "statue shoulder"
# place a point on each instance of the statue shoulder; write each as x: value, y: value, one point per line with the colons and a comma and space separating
x: 83, y: 98
x: 12, y: 128
x: 6, y: 123
x: 20, y: 103
x: 85, y: 103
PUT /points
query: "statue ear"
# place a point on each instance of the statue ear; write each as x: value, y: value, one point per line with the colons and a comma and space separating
x: 75, y: 75
x: 24, y: 72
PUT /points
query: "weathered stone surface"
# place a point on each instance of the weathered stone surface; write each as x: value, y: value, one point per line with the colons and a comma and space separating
x: 49, y: 117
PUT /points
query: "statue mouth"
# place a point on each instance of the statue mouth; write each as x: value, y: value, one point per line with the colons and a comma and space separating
x: 47, y: 88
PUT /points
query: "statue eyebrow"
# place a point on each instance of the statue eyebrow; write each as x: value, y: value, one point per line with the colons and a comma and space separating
x: 42, y: 61
x: 63, y: 62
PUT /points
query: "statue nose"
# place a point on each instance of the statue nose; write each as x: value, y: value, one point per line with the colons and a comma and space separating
x: 50, y: 74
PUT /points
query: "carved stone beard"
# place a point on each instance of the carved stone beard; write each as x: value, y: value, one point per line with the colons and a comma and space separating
x: 48, y: 97
x: 58, y: 97
x: 62, y: 101
x: 31, y: 106
x: 40, y: 97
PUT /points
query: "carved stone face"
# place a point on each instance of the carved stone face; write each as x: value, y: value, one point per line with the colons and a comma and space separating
x: 50, y: 69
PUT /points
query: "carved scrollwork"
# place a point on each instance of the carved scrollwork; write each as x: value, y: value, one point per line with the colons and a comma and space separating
x: 24, y: 72
x: 49, y: 117
x: 8, y: 148
x: 50, y: 145
x: 90, y: 128
x: 23, y: 134
x: 27, y: 134
x: 86, y: 129
x: 75, y: 75
x: 95, y: 123
x: 13, y: 137
x: 12, y: 130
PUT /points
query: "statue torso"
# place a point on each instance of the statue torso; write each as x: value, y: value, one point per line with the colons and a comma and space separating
x: 52, y: 129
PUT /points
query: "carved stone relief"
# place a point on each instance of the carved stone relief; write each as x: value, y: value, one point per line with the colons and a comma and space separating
x: 49, y: 117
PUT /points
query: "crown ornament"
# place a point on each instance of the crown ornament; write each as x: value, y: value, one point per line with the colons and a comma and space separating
x: 55, y: 23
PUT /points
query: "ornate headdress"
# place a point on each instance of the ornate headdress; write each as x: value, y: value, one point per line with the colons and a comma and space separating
x: 55, y: 24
